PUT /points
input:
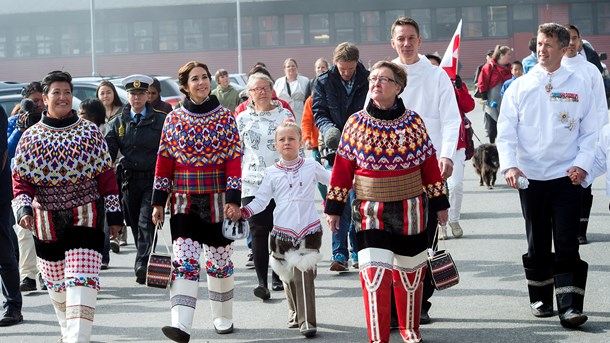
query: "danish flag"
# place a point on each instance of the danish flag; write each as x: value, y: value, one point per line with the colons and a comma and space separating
x: 450, y: 59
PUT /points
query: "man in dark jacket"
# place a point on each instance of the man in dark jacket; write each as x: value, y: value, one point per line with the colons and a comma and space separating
x: 9, y: 270
x: 339, y: 93
x: 135, y: 133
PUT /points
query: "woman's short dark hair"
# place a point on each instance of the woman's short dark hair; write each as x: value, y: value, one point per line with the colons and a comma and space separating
x: 260, y: 69
x: 56, y: 76
x: 31, y: 88
x: 183, y: 74
x: 116, y: 101
x: 94, y: 110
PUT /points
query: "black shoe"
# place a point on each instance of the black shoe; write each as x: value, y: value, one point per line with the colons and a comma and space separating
x: 541, y: 310
x: 43, y: 286
x: 277, y: 285
x: 393, y: 323
x: 582, y: 240
x: 141, y: 275
x: 104, y: 266
x: 27, y: 285
x: 572, y: 318
x: 176, y: 334
x: 11, y: 318
x: 262, y: 292
x: 309, y: 333
x: 115, y: 246
x: 424, y: 318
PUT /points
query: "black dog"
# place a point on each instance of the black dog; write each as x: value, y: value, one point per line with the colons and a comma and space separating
x: 486, y: 163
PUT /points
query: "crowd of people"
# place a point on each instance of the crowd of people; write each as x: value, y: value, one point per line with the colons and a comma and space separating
x: 389, y: 151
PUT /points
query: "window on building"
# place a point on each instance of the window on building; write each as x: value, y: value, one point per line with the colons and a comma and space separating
x: 218, y: 29
x: 319, y: 29
x: 580, y: 15
x: 294, y: 33
x: 497, y: 21
x: 193, y: 34
x: 472, y: 22
x: 446, y: 22
x: 344, y: 27
x: 143, y: 36
x: 370, y: 26
x: 247, y: 31
x: 423, y: 18
x: 3, y: 45
x: 70, y: 40
x: 524, y: 18
x: 168, y: 35
x: 45, y: 40
x: 99, y: 39
x: 603, y: 18
x: 390, y: 18
x: 268, y: 34
x: 119, y: 42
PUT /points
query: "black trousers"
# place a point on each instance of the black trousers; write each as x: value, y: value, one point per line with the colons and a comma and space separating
x: 137, y: 208
x: 9, y: 268
x: 551, y: 210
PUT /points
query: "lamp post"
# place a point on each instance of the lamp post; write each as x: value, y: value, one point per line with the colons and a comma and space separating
x: 239, y: 61
x: 93, y: 71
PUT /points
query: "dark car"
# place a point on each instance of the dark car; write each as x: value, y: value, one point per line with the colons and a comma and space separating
x: 9, y: 101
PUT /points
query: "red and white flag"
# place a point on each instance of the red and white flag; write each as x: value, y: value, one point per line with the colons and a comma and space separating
x: 450, y: 59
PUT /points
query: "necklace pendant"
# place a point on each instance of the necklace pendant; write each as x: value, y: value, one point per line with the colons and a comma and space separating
x: 548, y: 87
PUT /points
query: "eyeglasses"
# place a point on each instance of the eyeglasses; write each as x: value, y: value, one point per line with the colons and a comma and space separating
x: 261, y: 89
x: 382, y: 79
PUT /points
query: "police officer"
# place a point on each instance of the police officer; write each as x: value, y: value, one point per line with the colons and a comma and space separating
x: 135, y: 133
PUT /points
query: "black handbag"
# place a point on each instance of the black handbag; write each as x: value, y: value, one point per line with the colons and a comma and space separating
x: 159, y: 270
x: 442, y: 267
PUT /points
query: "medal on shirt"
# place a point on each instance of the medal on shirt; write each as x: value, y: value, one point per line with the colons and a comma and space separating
x: 549, y: 86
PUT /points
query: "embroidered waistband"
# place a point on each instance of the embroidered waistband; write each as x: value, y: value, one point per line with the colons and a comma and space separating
x: 386, y: 189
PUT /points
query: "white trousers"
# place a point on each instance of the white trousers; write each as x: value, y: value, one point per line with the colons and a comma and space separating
x: 27, y: 252
x: 455, y: 184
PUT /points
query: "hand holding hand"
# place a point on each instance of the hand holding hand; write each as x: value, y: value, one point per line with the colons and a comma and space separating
x: 577, y: 175
x: 232, y: 211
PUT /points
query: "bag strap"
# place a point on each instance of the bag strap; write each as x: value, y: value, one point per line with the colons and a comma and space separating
x: 158, y: 228
x: 435, y: 241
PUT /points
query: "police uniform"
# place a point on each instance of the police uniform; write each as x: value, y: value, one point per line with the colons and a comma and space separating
x: 136, y: 136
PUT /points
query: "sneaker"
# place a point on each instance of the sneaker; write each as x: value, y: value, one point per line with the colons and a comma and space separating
x: 27, y: 285
x: 456, y: 229
x: 354, y: 257
x: 250, y: 262
x: 43, y: 286
x: 104, y: 266
x: 442, y: 232
x: 339, y: 263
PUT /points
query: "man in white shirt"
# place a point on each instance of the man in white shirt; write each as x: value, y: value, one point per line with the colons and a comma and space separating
x: 430, y: 93
x: 546, y: 133
x: 578, y: 62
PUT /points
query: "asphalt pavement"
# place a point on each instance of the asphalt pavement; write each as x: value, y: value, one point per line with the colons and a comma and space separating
x: 490, y: 304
